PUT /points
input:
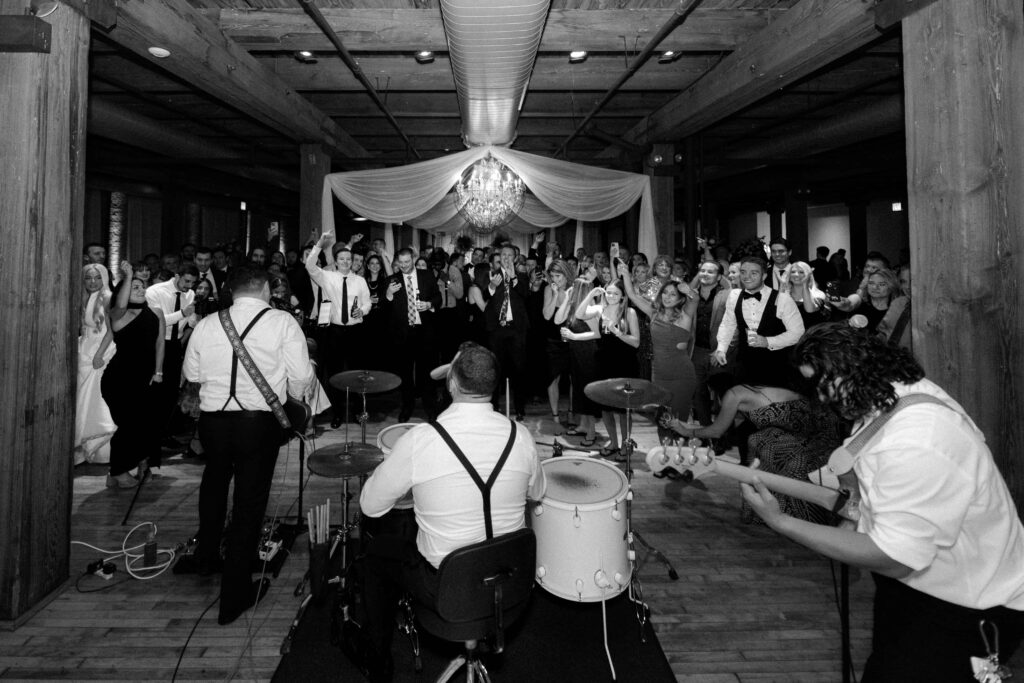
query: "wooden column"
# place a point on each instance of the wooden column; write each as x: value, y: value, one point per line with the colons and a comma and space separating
x: 796, y: 225
x: 690, y: 201
x: 315, y: 164
x: 663, y: 199
x: 42, y: 212
x: 858, y: 211
x: 964, y: 82
x: 194, y: 229
x: 775, y: 212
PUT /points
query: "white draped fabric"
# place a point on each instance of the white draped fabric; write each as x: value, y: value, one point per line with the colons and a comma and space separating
x: 419, y: 193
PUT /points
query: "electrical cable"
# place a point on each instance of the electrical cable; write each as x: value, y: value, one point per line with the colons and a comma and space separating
x: 131, y: 558
x: 184, y: 647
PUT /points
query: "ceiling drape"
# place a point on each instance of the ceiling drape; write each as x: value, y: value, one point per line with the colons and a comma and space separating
x: 419, y: 193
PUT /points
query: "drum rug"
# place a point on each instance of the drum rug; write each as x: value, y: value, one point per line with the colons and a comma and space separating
x: 556, y: 640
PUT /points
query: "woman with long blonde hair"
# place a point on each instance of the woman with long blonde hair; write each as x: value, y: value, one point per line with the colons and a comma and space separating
x: 93, y: 425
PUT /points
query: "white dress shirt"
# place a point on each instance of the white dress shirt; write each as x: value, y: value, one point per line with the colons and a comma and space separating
x: 933, y: 499
x: 333, y: 284
x: 276, y: 344
x: 161, y: 296
x: 785, y: 309
x: 448, y: 505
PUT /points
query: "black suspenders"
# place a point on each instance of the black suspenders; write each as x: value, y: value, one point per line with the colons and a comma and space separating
x: 485, y: 489
x: 234, y: 362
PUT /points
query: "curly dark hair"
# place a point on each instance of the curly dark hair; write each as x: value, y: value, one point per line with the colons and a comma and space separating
x: 853, y: 371
x: 751, y: 247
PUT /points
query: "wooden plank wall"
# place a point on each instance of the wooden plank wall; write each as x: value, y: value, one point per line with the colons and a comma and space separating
x: 963, y: 74
x: 42, y: 210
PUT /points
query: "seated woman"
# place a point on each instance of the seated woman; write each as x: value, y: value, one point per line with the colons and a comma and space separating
x: 791, y: 438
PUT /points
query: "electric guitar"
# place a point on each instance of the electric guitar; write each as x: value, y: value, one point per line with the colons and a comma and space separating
x: 699, y: 460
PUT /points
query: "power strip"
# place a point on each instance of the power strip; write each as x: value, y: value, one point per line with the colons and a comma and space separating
x: 268, y: 549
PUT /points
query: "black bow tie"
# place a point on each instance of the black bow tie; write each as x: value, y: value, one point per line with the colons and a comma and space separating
x: 751, y: 295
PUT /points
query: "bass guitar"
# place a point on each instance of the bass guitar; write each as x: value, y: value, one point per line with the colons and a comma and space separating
x: 693, y: 461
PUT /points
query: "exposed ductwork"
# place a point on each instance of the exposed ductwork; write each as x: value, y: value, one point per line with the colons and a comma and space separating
x: 492, y: 46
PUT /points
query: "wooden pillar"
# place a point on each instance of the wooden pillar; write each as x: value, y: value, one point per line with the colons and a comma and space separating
x: 858, y: 233
x: 315, y: 164
x: 796, y: 225
x: 775, y: 212
x: 194, y: 229
x: 663, y: 200
x: 42, y: 212
x: 964, y: 82
x: 690, y: 190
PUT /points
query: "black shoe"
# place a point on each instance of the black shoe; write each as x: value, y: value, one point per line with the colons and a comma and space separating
x: 228, y: 613
x: 190, y: 564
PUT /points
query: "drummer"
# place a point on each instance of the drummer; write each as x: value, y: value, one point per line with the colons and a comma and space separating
x: 448, y: 504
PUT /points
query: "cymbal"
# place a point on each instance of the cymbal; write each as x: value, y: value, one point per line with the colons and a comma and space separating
x: 345, y: 460
x: 619, y: 392
x: 365, y: 381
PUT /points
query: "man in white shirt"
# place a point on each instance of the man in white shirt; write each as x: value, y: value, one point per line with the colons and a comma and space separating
x: 239, y: 432
x: 175, y: 299
x: 767, y: 323
x: 448, y: 505
x: 938, y: 527
x: 349, y: 301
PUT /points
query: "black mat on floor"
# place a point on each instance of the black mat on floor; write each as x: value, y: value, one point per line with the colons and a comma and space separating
x: 556, y: 640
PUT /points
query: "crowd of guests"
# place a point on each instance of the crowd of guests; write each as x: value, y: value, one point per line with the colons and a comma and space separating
x: 555, y: 321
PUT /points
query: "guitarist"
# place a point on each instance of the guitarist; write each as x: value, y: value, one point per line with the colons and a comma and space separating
x: 938, y: 528
x: 239, y: 430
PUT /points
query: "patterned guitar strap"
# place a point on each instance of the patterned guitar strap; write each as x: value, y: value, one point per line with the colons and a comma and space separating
x: 242, y: 356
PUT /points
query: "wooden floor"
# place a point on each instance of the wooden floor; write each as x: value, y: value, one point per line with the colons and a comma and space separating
x: 748, y: 606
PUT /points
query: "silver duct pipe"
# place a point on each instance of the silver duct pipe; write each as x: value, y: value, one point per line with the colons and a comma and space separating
x: 684, y: 10
x: 493, y: 46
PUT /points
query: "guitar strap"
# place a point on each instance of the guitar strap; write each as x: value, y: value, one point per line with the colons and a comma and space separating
x: 485, y: 488
x: 842, y: 458
x: 242, y: 356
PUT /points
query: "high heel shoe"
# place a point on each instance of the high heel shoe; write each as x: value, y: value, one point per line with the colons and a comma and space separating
x: 121, y: 481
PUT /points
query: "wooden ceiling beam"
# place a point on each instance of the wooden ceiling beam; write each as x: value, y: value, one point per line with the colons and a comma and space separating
x: 409, y: 30
x: 809, y: 35
x: 202, y: 56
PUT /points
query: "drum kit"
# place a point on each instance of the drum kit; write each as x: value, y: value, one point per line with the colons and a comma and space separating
x: 586, y: 542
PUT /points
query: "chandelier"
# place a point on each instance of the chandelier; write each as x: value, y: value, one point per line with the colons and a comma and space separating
x: 489, y: 194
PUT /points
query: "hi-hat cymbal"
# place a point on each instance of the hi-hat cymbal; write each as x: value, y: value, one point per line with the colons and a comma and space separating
x: 620, y: 392
x: 345, y: 460
x: 365, y: 381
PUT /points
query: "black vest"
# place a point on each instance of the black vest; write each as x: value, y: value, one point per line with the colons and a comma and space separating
x: 762, y: 365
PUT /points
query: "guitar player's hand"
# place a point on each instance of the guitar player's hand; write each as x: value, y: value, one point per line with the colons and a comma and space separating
x: 763, y: 503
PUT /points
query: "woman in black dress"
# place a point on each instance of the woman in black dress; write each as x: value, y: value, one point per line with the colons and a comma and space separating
x: 582, y: 336
x: 373, y: 322
x: 127, y: 382
x: 616, y: 348
x: 555, y: 312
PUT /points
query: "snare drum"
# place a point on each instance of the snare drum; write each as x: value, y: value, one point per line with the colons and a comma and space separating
x: 386, y: 440
x: 580, y: 526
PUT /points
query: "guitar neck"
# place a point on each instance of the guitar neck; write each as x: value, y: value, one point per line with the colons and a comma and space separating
x: 804, y: 490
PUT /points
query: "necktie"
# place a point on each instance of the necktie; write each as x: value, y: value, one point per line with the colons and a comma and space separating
x: 344, y: 301
x: 750, y: 295
x: 177, y: 307
x: 410, y: 298
x: 503, y: 315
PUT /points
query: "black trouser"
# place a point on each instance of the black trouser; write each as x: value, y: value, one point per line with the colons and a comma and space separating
x: 392, y: 567
x: 413, y: 358
x: 243, y: 445
x: 509, y: 345
x: 344, y: 346
x: 918, y: 637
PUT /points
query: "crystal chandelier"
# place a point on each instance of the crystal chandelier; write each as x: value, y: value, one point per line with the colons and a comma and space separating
x: 488, y: 194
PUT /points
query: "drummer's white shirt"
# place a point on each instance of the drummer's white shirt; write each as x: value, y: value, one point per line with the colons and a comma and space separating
x: 448, y: 505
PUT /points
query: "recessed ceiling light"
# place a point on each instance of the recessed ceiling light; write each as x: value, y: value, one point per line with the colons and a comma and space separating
x: 359, y: 219
x: 577, y: 56
x: 159, y: 52
x: 305, y: 56
x: 669, y: 56
x: 424, y: 56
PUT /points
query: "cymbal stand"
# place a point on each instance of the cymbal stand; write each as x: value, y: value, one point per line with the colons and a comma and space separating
x: 364, y: 417
x: 633, y: 537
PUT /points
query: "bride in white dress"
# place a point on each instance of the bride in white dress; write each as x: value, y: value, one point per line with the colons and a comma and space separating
x: 93, y: 424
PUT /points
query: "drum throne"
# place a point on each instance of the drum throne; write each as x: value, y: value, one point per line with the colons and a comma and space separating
x: 481, y: 588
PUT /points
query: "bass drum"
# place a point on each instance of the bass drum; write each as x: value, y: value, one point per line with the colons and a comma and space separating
x: 580, y: 526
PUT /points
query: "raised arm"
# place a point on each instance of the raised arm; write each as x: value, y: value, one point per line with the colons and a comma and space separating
x: 634, y: 296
